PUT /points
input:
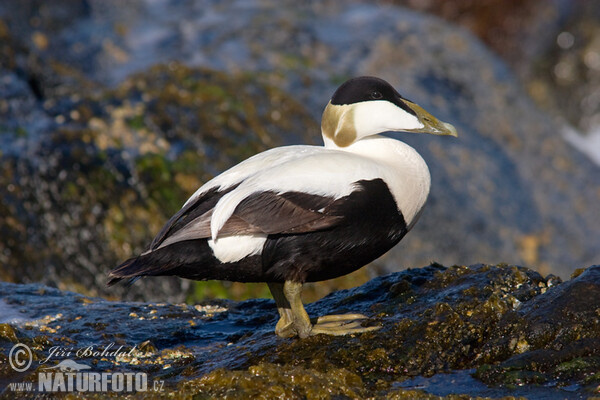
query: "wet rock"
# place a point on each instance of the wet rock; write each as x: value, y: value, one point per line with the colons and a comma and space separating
x: 562, y: 327
x: 505, y: 328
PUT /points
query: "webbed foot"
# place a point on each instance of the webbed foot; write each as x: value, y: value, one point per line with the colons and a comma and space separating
x: 294, y: 320
x: 341, y: 324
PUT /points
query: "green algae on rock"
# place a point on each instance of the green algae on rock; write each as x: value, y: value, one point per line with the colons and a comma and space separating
x: 269, y: 380
x: 507, y: 326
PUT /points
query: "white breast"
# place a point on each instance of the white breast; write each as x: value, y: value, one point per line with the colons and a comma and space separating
x: 403, y: 170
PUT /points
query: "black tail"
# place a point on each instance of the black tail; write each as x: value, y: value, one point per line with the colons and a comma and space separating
x: 188, y: 259
x: 158, y: 262
x: 127, y: 270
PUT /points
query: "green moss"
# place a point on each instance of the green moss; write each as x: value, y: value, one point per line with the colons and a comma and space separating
x: 136, y: 122
x: 21, y: 132
x: 592, y: 379
x: 295, y: 61
x: 575, y: 365
x: 158, y: 174
x: 266, y: 380
x: 8, y: 333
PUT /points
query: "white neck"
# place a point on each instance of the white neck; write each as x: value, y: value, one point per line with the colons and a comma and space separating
x: 401, y: 167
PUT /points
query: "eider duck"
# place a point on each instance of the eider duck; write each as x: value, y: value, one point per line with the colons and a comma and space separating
x: 297, y: 214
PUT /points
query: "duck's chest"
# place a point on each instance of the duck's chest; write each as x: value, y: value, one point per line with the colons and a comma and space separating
x: 401, y: 168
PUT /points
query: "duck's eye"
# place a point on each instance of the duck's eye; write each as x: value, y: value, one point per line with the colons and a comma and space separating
x: 375, y: 95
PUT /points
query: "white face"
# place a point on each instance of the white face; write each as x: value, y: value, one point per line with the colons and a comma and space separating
x: 377, y: 116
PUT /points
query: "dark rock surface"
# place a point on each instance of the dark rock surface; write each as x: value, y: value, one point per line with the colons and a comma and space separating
x: 496, y: 330
x: 94, y: 158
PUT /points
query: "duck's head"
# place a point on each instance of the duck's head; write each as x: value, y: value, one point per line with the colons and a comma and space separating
x: 366, y: 106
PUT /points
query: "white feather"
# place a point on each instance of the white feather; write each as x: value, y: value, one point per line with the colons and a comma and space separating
x: 324, y: 172
x: 372, y: 117
x: 402, y: 168
x: 267, y: 159
x: 234, y: 248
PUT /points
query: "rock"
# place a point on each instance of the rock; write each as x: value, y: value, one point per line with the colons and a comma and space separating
x: 106, y: 156
x: 503, y: 326
x: 560, y: 326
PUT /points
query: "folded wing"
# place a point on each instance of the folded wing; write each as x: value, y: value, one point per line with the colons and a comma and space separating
x: 260, y: 213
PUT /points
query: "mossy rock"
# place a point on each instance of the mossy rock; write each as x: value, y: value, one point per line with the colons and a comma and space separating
x: 481, y: 321
x: 121, y: 161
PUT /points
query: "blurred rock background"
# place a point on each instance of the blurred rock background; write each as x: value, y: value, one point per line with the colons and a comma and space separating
x: 112, y: 113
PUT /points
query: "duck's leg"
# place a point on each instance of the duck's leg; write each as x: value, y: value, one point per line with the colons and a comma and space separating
x: 284, y: 327
x: 295, y: 321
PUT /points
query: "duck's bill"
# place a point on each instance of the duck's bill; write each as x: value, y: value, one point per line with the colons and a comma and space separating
x: 430, y: 123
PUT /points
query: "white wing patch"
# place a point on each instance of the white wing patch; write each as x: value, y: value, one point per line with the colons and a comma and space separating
x: 234, y: 248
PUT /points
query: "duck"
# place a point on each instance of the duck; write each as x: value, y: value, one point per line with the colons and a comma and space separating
x: 304, y: 213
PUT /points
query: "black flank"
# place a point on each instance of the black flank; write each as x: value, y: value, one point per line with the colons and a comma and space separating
x: 192, y: 259
x: 371, y: 226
